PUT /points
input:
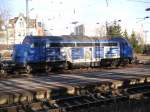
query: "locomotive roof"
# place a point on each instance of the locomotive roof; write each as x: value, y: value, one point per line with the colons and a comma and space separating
x: 72, y: 38
x: 61, y: 38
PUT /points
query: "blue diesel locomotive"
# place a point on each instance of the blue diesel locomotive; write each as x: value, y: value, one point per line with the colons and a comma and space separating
x: 47, y: 52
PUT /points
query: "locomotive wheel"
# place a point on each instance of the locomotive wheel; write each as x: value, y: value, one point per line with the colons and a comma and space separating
x: 3, y: 72
x: 119, y: 63
x: 66, y: 66
x: 131, y: 61
x: 124, y: 62
x: 105, y: 63
x: 28, y: 69
x: 48, y: 69
x: 114, y: 63
x: 70, y: 66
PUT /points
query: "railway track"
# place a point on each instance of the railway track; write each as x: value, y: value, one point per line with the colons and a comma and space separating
x: 76, y: 92
x: 18, y: 74
x: 83, y: 101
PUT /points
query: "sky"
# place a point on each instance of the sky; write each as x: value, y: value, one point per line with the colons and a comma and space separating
x: 59, y: 14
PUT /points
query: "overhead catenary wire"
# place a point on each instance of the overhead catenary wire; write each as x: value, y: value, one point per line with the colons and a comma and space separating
x: 139, y: 1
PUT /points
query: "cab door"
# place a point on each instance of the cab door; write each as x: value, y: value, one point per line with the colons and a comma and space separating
x: 42, y: 51
x: 20, y: 53
x: 88, y: 54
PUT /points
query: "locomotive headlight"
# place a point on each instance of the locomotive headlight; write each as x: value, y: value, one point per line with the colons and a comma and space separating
x: 47, y: 45
x: 62, y: 50
x: 63, y: 53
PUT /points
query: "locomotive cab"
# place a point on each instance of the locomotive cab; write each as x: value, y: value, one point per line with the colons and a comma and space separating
x: 126, y: 50
x: 20, y: 56
x: 30, y: 55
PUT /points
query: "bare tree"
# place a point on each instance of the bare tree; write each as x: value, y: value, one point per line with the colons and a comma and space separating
x: 1, y: 22
x: 101, y: 31
x: 4, y: 15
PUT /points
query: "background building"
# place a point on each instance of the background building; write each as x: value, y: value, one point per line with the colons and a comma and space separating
x: 80, y: 30
x: 3, y: 39
x: 18, y: 28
